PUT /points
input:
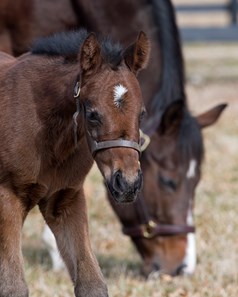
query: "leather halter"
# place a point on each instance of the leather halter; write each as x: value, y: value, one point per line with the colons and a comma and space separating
x: 96, y: 146
x: 153, y: 229
x: 149, y: 228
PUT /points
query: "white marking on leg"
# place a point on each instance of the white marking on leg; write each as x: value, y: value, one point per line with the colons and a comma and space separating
x: 190, y: 258
x: 192, y: 169
x: 49, y: 239
x: 119, y: 92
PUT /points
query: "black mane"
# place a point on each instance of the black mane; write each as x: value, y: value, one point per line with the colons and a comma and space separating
x: 172, y: 76
x: 68, y: 45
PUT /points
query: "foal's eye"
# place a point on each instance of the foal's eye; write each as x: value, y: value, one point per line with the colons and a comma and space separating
x: 168, y: 183
x: 93, y: 117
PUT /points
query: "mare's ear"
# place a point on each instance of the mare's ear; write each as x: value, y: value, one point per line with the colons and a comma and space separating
x: 211, y: 116
x: 136, y: 56
x: 171, y: 118
x: 90, y: 56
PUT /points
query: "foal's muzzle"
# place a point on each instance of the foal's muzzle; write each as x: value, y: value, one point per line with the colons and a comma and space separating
x: 123, y: 190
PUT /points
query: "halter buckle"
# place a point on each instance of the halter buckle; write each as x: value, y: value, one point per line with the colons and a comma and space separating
x: 147, y: 229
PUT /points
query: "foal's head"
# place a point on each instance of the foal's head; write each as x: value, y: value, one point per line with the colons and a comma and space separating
x: 113, y: 107
x: 171, y: 166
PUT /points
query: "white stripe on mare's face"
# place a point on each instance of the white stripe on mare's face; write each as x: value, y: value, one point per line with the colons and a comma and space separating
x: 192, y: 169
x: 119, y: 92
x: 190, y: 258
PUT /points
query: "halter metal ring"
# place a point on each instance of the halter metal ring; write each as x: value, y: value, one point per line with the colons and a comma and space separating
x: 147, y: 229
x: 146, y: 141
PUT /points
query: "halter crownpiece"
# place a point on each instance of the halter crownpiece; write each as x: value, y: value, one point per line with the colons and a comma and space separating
x: 75, y: 116
x: 77, y: 90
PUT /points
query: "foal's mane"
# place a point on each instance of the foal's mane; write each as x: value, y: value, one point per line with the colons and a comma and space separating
x: 67, y: 44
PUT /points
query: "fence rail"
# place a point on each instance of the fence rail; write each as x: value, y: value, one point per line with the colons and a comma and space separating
x: 228, y: 33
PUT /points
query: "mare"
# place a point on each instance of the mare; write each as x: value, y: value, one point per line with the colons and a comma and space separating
x: 160, y: 222
x: 172, y: 160
x: 73, y: 99
x: 22, y: 21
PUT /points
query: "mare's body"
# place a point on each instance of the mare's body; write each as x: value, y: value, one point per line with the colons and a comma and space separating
x: 176, y: 147
x: 172, y: 162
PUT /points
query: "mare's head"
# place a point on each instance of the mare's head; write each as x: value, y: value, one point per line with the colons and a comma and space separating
x: 160, y: 222
x: 112, y: 103
x: 172, y: 170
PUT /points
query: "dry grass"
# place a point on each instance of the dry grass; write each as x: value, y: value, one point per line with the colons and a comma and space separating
x: 209, y: 83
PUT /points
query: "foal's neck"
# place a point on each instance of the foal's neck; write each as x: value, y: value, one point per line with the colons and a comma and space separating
x: 56, y: 105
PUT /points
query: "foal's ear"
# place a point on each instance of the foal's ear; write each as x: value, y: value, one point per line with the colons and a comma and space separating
x: 171, y: 118
x: 90, y: 56
x: 211, y: 116
x: 136, y: 56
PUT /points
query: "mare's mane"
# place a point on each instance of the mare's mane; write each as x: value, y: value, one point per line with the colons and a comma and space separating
x: 190, y: 144
x: 172, y: 76
x: 67, y: 44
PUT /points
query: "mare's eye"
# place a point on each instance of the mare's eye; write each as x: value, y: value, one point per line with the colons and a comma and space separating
x: 168, y: 183
x: 93, y: 117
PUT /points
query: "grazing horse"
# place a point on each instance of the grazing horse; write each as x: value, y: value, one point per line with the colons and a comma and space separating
x: 180, y: 152
x: 73, y: 99
x: 160, y: 223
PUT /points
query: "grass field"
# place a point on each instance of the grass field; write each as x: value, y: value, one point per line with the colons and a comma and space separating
x: 212, y: 78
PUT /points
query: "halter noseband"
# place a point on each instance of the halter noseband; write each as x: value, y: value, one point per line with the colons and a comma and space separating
x: 96, y: 146
x: 153, y: 229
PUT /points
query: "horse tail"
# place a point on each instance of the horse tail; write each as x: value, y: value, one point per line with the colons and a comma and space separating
x: 172, y: 74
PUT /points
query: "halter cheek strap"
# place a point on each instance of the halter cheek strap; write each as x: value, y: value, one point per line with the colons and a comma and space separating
x: 76, y: 114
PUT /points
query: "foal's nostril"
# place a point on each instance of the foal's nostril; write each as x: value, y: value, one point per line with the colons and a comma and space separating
x: 118, y: 182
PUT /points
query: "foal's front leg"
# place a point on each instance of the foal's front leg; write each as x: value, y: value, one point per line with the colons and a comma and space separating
x: 65, y: 213
x: 12, y: 283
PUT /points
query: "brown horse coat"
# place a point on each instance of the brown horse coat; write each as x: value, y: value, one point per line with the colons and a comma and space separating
x: 42, y: 161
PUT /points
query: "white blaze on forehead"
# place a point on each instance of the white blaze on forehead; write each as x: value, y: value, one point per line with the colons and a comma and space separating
x: 192, y: 169
x: 190, y: 258
x: 119, y: 92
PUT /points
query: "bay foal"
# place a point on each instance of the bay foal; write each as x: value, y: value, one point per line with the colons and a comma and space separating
x: 71, y: 100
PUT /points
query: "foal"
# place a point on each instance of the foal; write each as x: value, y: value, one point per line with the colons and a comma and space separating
x: 71, y: 100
